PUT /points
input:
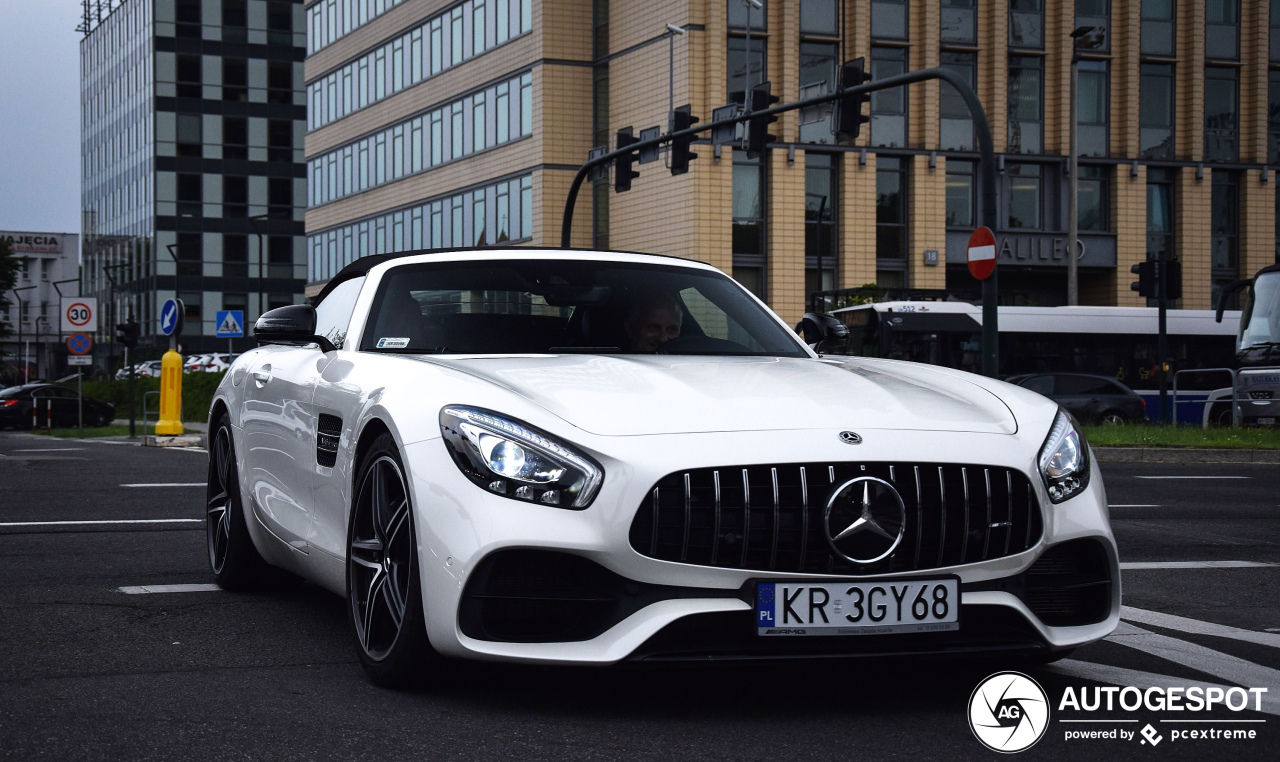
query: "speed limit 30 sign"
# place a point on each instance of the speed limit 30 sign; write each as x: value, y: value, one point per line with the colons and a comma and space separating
x: 79, y: 314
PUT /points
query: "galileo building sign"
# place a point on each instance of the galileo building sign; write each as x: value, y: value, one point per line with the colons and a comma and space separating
x: 1039, y: 249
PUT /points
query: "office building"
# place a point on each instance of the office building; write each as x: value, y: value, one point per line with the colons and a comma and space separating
x: 193, y: 116
x: 48, y: 267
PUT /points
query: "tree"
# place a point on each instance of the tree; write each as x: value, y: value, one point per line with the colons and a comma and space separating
x: 8, y: 279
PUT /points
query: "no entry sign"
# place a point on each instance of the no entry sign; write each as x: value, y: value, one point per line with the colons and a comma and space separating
x: 982, y: 253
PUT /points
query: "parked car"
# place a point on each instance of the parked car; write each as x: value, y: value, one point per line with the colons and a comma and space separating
x: 149, y: 368
x: 16, y: 402
x: 578, y: 457
x: 195, y: 363
x: 1094, y: 399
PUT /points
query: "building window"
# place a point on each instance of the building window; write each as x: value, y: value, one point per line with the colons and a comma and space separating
x: 280, y: 256
x: 235, y: 79
x: 889, y: 19
x: 959, y: 23
x: 1275, y: 30
x: 280, y: 197
x: 1026, y: 119
x: 235, y: 138
x: 189, y: 135
x: 748, y: 223
x: 235, y: 197
x: 888, y: 107
x: 1159, y: 215
x: 891, y: 221
x: 1221, y: 108
x: 1092, y: 101
x: 1222, y: 29
x: 189, y: 76
x: 280, y: 82
x: 192, y: 312
x: 1096, y: 13
x: 236, y: 302
x: 961, y: 194
x: 1273, y: 117
x: 956, y: 126
x: 819, y: 17
x: 280, y: 140
x: 190, y: 250
x: 235, y: 256
x: 1026, y: 197
x: 187, y: 14
x: 746, y: 68
x: 190, y: 195
x: 1155, y: 119
x: 742, y: 15
x: 1225, y: 219
x: 1093, y: 207
x: 817, y: 77
x: 1026, y: 24
x: 1158, y: 37
x: 820, y: 234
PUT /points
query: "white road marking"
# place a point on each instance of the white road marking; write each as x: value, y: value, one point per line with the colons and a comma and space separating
x: 1135, y: 505
x: 1197, y: 627
x: 143, y: 589
x: 1230, y: 669
x: 1105, y: 673
x: 98, y: 523
x: 1132, y: 565
x: 52, y: 449
x: 166, y: 484
x: 1193, y: 477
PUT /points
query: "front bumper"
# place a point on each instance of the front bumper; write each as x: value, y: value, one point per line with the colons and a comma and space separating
x: 680, y: 611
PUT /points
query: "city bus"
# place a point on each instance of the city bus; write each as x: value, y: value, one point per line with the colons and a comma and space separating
x: 1119, y: 342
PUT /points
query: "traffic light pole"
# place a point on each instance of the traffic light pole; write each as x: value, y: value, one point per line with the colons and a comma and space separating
x: 1162, y: 338
x: 986, y: 174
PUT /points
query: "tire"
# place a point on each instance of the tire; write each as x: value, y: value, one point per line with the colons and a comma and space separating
x: 234, y: 561
x: 384, y: 593
x: 1113, y: 418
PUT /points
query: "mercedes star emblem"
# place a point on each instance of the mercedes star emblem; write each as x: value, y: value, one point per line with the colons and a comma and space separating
x: 850, y: 437
x: 865, y: 520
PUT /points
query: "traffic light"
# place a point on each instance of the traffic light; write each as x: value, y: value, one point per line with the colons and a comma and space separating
x: 680, y: 153
x: 849, y: 118
x: 127, y: 333
x: 758, y: 137
x: 1173, y: 279
x: 622, y: 172
x: 1145, y: 285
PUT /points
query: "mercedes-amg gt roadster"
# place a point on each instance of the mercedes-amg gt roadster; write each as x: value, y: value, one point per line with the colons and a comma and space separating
x: 576, y: 457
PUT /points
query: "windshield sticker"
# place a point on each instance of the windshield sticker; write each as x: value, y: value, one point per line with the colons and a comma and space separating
x: 392, y: 343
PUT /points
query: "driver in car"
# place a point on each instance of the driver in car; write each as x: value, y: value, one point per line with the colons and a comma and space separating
x: 653, y: 319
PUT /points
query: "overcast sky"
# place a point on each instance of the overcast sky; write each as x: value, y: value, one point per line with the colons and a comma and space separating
x: 39, y: 116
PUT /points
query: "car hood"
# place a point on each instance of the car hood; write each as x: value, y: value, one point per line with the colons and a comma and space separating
x: 663, y: 394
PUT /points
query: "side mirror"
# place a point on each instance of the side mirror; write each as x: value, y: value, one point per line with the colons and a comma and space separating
x: 293, y: 325
x: 819, y: 328
x: 1239, y: 285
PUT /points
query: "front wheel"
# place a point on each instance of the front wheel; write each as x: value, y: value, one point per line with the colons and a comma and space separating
x: 384, y: 591
x: 1113, y: 418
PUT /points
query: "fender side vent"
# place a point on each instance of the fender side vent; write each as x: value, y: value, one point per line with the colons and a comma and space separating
x: 328, y: 435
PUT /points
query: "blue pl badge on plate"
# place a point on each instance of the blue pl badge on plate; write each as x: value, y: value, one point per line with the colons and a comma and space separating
x: 764, y: 605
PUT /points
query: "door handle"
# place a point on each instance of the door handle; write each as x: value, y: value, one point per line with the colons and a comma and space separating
x: 263, y: 374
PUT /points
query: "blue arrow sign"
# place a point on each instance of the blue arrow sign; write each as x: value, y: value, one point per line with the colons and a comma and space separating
x: 169, y: 317
x: 230, y: 324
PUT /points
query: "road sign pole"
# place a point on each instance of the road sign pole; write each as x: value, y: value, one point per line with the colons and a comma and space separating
x: 133, y: 392
x: 79, y: 399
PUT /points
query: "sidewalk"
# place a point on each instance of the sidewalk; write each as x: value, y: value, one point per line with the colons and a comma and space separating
x: 1184, y: 455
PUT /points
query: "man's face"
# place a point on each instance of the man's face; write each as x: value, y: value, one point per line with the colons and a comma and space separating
x: 652, y: 326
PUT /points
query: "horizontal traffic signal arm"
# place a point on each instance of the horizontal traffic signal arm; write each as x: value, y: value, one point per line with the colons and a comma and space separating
x: 982, y: 130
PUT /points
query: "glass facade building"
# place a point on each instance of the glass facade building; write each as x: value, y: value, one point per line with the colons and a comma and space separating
x: 193, y: 184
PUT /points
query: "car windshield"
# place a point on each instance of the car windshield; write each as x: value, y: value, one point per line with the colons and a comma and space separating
x: 569, y: 306
x: 1260, y: 321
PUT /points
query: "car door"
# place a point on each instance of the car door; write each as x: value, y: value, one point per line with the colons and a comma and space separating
x: 278, y: 422
x: 1082, y: 396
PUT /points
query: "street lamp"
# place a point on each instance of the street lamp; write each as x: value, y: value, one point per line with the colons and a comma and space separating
x: 1083, y: 38
x: 26, y: 374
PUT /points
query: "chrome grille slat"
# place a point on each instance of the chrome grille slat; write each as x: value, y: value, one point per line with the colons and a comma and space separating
x: 683, y: 508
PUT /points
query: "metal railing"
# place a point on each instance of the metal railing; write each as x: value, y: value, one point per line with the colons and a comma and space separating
x: 1235, y: 400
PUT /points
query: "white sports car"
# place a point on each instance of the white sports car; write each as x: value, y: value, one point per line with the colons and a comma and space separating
x: 572, y: 457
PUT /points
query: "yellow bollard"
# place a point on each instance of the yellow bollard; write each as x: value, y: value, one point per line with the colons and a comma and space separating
x: 170, y: 423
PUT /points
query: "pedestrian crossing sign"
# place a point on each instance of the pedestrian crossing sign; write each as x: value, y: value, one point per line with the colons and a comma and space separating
x: 230, y: 324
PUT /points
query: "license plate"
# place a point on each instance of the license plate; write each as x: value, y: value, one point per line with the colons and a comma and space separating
x: 1266, y: 421
x: 857, y: 608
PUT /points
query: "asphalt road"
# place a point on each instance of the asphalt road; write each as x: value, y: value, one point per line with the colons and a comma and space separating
x: 90, y: 672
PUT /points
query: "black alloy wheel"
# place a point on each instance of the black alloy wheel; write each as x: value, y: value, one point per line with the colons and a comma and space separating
x: 235, y: 562
x: 383, y: 589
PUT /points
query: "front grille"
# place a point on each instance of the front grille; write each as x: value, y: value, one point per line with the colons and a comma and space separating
x: 772, y: 517
x: 1070, y: 585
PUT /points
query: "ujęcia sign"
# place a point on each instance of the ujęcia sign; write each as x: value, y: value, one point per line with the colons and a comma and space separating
x: 33, y: 243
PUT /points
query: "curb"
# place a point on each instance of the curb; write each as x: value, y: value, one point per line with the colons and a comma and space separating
x: 1183, y: 455
x: 184, y: 440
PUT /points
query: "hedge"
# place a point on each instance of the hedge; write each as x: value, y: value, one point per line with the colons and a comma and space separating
x: 197, y: 394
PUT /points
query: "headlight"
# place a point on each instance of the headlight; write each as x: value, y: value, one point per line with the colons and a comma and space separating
x: 508, y: 458
x: 1064, y: 459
